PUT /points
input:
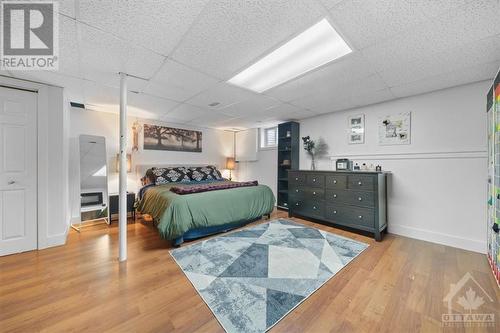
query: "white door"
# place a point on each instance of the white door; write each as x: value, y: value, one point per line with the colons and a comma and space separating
x: 18, y: 171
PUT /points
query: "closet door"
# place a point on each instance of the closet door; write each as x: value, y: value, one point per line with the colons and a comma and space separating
x: 18, y: 171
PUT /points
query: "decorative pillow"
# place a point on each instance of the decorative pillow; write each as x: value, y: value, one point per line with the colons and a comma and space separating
x: 171, y: 175
x: 208, y: 172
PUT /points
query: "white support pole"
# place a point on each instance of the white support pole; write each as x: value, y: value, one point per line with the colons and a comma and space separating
x: 122, y: 222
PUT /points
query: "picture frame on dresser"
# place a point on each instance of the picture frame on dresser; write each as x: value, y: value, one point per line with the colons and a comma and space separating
x: 353, y: 199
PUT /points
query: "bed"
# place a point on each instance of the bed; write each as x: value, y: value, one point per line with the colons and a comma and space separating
x: 189, y: 216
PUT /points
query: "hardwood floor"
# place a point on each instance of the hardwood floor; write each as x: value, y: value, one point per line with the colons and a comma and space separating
x: 397, y: 285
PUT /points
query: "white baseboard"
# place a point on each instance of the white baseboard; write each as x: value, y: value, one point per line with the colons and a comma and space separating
x: 439, y: 238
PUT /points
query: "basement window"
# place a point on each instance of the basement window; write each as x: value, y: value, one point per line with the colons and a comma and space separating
x: 268, y: 137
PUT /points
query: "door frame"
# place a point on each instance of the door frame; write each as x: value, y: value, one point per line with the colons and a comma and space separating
x: 43, y: 192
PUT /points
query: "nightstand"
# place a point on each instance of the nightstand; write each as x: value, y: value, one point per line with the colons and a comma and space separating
x: 113, y: 204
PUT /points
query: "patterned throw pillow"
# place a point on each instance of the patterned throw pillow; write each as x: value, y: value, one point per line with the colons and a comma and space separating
x: 208, y: 172
x: 171, y: 175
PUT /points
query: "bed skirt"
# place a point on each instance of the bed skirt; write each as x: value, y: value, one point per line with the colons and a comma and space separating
x: 207, y: 231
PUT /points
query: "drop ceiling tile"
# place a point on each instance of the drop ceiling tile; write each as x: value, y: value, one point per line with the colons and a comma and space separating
x: 255, y: 104
x: 470, y: 23
x: 156, y: 25
x: 113, y: 80
x: 178, y: 82
x: 433, y: 8
x: 365, y: 22
x: 222, y: 93
x: 330, y: 3
x: 321, y: 103
x: 67, y: 7
x: 213, y: 119
x: 467, y: 55
x: 372, y: 97
x: 69, y: 57
x: 230, y: 35
x: 442, y: 81
x: 188, y: 112
x: 286, y: 111
x: 102, y: 52
x: 152, y: 104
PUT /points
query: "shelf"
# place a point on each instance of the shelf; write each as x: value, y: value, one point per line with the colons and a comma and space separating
x: 283, y: 179
x: 285, y: 150
x: 285, y: 138
x: 285, y: 166
x: 283, y: 191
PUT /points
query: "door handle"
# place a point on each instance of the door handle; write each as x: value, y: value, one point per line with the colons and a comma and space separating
x: 11, y: 182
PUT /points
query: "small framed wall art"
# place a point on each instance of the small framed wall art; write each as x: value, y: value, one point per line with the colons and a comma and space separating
x: 356, y: 129
x: 394, y: 129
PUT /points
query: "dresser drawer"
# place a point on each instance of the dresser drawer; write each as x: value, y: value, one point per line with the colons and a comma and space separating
x: 361, y: 182
x: 351, y: 197
x: 297, y: 191
x: 359, y: 216
x: 315, y: 193
x: 336, y: 181
x: 316, y: 180
x: 296, y: 178
x: 307, y: 207
x: 350, y: 216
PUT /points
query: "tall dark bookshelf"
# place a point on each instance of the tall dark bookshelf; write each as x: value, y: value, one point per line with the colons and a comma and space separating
x: 288, y: 150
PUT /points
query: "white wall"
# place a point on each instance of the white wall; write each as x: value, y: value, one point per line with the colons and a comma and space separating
x: 437, y: 190
x: 265, y: 169
x: 216, y: 146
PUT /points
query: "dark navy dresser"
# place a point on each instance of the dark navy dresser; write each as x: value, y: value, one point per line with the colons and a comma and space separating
x: 355, y: 199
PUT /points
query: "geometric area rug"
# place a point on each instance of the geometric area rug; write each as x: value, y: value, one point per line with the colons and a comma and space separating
x: 252, y: 278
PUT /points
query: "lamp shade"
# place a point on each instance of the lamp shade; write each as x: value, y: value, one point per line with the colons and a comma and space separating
x: 230, y: 163
x: 129, y: 163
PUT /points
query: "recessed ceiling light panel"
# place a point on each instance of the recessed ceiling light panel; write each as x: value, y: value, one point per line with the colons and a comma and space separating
x: 314, y: 47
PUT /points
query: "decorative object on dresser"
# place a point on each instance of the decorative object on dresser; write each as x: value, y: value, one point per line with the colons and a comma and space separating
x: 315, y: 150
x: 288, y: 158
x: 356, y: 129
x: 113, y: 204
x: 352, y: 199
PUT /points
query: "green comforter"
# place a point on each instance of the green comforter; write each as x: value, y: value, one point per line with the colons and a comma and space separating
x: 176, y: 214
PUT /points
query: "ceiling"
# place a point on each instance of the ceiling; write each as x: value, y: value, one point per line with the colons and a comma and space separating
x: 189, y: 49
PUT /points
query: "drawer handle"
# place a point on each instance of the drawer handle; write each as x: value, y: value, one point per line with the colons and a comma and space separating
x: 314, y: 207
x: 360, y: 183
x: 334, y: 195
x: 314, y: 179
x: 360, y: 217
x: 297, y: 191
x: 296, y: 178
x: 297, y: 204
x: 314, y: 193
x: 335, y: 181
x: 334, y: 212
x: 360, y: 199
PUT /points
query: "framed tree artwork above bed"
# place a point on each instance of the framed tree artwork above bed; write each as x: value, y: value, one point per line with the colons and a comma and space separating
x: 158, y: 137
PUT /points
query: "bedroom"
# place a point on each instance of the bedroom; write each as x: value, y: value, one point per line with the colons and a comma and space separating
x: 246, y: 166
